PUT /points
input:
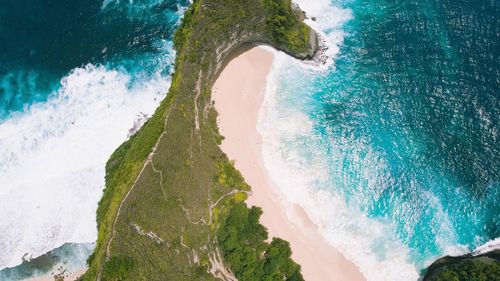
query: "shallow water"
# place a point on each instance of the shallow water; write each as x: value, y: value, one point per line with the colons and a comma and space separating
x: 393, y: 148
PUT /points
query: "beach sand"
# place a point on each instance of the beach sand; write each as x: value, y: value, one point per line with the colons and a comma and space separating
x: 238, y: 94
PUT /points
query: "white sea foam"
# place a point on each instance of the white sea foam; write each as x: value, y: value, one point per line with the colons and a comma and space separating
x: 52, y: 158
x: 328, y: 21
x: 445, y: 234
x: 300, y: 169
x: 488, y: 246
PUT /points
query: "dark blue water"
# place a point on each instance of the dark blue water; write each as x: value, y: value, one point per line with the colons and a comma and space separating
x: 73, y: 74
x: 417, y: 82
x: 41, y: 41
x: 407, y: 122
x: 405, y: 125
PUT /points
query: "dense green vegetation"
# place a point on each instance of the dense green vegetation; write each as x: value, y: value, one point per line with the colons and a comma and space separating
x: 471, y: 270
x: 282, y: 26
x: 169, y: 187
x: 485, y: 267
x: 242, y: 240
x: 118, y: 268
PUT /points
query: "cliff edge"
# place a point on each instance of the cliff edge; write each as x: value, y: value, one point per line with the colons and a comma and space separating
x: 170, y: 191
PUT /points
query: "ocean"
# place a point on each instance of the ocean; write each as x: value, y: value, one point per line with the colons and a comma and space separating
x: 75, y: 77
x: 391, y: 147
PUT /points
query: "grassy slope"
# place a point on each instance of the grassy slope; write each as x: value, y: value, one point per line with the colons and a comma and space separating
x: 172, y: 171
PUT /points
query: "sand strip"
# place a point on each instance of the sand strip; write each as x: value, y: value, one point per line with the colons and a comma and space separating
x: 238, y: 94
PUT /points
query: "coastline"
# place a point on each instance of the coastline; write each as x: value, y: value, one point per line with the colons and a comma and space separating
x: 238, y: 94
x: 67, y: 275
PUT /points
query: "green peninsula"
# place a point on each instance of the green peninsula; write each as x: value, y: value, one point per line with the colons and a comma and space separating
x: 173, y: 206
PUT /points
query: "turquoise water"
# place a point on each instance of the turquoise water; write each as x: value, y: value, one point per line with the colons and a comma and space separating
x: 392, y: 149
x: 65, y: 260
x: 406, y: 120
x: 41, y: 41
x: 75, y: 76
x: 417, y: 84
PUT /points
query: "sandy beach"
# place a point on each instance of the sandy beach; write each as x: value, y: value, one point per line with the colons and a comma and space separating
x: 238, y: 94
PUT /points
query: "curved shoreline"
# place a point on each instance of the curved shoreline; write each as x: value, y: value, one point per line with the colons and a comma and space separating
x: 238, y: 94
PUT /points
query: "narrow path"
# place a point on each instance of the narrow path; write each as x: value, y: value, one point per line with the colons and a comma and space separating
x: 149, y: 160
x: 161, y: 178
x: 213, y: 205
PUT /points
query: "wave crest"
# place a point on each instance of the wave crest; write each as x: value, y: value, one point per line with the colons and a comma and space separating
x: 52, y: 158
